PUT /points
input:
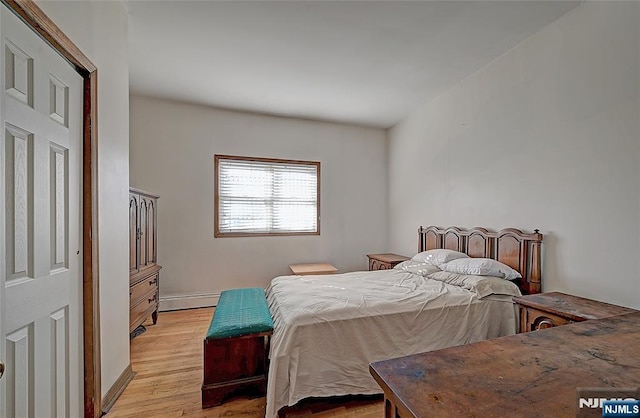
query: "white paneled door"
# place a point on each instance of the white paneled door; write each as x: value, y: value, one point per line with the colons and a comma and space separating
x: 40, y: 249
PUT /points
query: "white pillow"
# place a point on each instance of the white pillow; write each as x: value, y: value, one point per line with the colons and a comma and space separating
x: 481, y: 285
x: 438, y: 256
x: 416, y: 267
x: 481, y: 267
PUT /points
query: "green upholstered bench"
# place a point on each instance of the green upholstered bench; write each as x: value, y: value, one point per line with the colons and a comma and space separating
x: 236, y: 346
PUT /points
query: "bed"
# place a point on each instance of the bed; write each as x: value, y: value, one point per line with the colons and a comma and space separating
x: 329, y: 328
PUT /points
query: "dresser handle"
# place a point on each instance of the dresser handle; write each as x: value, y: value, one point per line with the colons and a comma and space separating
x: 152, y: 282
x: 153, y: 299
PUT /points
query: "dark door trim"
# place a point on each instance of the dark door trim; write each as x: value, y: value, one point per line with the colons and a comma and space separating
x: 35, y: 18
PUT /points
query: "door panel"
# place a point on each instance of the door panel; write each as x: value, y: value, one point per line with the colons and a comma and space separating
x: 19, y: 365
x: 40, y: 207
x: 19, y: 202
x: 59, y: 165
x: 59, y: 363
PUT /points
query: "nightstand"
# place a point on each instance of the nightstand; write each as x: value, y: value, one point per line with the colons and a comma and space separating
x: 312, y: 268
x: 384, y: 261
x: 546, y: 310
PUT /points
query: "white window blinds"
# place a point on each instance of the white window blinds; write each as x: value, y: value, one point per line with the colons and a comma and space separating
x: 260, y: 196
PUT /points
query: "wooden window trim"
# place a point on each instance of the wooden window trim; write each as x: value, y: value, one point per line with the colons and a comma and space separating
x: 218, y: 234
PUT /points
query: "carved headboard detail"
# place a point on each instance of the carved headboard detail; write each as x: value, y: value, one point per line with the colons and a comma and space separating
x: 518, y: 250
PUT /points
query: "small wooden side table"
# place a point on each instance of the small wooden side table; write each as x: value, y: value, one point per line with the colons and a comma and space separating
x: 384, y: 261
x: 546, y: 310
x: 312, y: 268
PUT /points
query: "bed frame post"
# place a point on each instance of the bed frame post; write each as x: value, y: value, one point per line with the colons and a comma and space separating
x: 536, y: 264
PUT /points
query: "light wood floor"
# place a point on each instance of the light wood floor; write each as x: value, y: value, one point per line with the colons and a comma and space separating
x: 167, y: 360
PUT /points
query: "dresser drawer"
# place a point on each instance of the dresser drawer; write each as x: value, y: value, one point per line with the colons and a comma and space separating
x: 379, y: 265
x: 532, y: 319
x: 139, y: 312
x: 545, y: 310
x: 139, y: 290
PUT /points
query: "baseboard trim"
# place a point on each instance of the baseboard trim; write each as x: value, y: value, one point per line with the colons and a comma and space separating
x: 116, y: 390
x: 202, y: 300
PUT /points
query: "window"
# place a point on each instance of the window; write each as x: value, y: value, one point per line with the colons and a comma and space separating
x: 263, y: 196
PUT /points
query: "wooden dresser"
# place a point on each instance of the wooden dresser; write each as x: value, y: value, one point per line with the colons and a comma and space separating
x: 384, y: 261
x: 143, y: 256
x: 546, y: 310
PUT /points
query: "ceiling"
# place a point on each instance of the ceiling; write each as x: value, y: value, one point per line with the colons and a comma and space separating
x: 362, y: 62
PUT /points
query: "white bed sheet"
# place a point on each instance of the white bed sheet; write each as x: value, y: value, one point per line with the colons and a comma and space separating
x: 329, y: 328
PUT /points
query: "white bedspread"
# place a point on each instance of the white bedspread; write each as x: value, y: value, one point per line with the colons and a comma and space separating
x: 329, y: 328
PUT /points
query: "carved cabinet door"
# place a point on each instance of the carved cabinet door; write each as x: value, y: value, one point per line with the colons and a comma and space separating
x: 143, y: 232
x: 150, y: 242
x: 133, y: 233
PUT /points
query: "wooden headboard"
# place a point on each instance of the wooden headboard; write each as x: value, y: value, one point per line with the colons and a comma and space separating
x: 512, y: 247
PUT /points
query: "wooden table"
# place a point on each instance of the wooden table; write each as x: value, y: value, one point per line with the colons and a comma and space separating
x: 312, y: 268
x: 524, y: 375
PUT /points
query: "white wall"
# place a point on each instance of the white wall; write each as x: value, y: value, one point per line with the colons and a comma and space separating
x: 172, y: 148
x: 99, y: 29
x: 547, y: 136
